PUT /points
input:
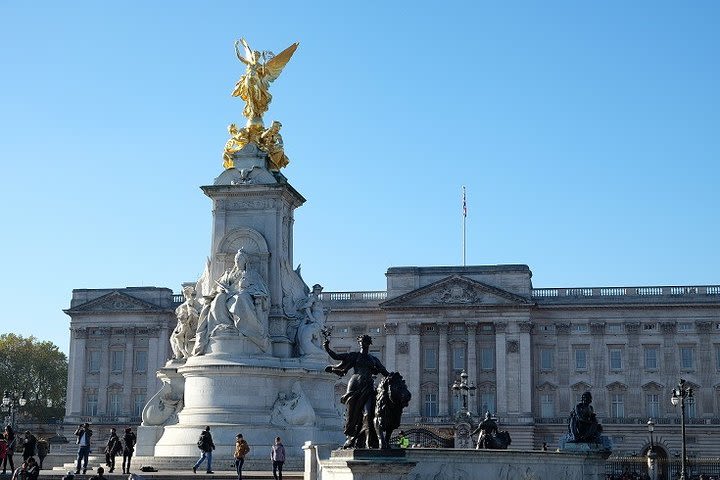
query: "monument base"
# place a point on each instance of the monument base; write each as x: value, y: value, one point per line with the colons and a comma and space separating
x: 458, y: 464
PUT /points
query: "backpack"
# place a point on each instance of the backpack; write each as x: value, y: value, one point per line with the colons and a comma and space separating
x: 201, y: 443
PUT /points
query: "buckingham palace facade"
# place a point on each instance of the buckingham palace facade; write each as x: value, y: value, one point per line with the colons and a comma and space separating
x: 529, y: 352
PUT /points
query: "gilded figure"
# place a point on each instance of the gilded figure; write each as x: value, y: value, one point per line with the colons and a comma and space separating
x: 262, y: 68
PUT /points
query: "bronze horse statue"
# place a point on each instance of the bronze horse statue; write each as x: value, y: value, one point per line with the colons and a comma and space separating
x: 392, y: 396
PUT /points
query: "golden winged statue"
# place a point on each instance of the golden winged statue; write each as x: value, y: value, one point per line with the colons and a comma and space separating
x: 262, y: 68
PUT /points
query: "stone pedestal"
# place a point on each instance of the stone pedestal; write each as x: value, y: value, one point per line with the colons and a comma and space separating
x: 456, y: 464
x: 367, y: 465
x: 238, y: 394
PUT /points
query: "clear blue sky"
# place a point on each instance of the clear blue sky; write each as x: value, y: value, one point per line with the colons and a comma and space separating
x: 586, y: 134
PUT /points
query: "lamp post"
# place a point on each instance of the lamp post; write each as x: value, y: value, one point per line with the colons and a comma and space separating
x: 461, y: 388
x: 651, y: 456
x: 11, y: 402
x: 679, y: 394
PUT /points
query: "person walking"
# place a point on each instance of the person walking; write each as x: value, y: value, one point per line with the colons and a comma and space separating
x: 43, y: 447
x: 83, y: 434
x: 112, y: 448
x: 129, y: 440
x: 277, y: 455
x: 11, y: 441
x: 206, y: 446
x: 241, y: 449
x: 29, y: 445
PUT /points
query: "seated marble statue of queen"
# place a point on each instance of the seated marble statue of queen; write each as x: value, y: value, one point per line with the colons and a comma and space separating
x: 239, y: 301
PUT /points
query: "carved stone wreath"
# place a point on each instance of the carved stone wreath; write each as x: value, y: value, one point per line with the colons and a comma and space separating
x: 512, y: 346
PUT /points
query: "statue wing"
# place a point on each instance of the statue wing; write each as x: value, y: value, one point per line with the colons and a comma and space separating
x: 203, y: 286
x: 275, y: 65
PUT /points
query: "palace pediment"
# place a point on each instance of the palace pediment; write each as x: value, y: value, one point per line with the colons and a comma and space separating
x: 116, y: 302
x: 457, y: 291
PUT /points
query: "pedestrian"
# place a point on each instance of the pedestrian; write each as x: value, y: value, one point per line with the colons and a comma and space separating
x: 277, y: 455
x: 206, y: 446
x: 241, y: 449
x: 11, y: 441
x: 83, y: 434
x: 99, y: 475
x: 32, y: 469
x: 403, y: 441
x: 29, y: 445
x: 43, y: 447
x: 544, y: 447
x: 129, y: 440
x: 112, y: 448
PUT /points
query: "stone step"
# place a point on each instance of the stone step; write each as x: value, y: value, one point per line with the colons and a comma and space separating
x: 56, y: 474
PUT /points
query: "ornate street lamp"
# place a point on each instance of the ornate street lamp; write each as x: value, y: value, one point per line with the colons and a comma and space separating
x: 461, y: 388
x: 11, y: 402
x: 651, y: 456
x: 679, y: 394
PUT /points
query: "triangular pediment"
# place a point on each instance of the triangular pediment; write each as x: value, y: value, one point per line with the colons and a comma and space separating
x: 115, y: 302
x: 652, y: 386
x: 546, y: 386
x: 455, y: 291
x: 581, y: 387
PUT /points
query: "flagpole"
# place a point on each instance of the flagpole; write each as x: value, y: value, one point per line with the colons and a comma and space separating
x: 464, y: 212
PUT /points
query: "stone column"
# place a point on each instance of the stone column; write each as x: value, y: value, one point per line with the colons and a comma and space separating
x: 526, y: 361
x: 703, y: 360
x: 413, y: 375
x: 443, y: 401
x: 104, y: 383
x: 153, y: 362
x: 634, y: 400
x: 599, y: 363
x: 564, y: 402
x: 128, y: 371
x: 391, y: 346
x: 500, y: 369
x: 472, y: 363
x: 76, y: 372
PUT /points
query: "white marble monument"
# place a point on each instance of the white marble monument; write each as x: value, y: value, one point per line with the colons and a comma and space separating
x: 247, y: 356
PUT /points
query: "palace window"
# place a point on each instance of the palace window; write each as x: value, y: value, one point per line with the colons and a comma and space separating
x: 615, y: 358
x: 457, y: 403
x: 114, y: 404
x: 547, y: 405
x: 138, y: 404
x: 458, y: 357
x: 581, y: 358
x: 617, y: 405
x: 651, y: 358
x: 117, y: 359
x: 581, y: 328
x: 141, y: 361
x: 614, y: 328
x: 653, y: 405
x: 430, y: 408
x: 93, y: 361
x: 487, y: 358
x: 546, y: 359
x: 717, y: 357
x: 687, y: 357
x: 690, y: 410
x: 430, y: 358
x: 685, y: 327
x: 486, y: 403
x: 91, y: 404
